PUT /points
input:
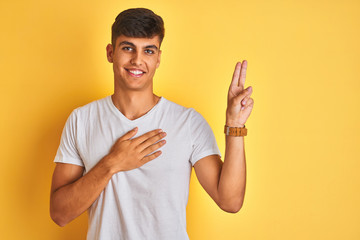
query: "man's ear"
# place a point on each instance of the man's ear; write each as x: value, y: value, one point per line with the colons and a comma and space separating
x: 109, y: 53
x: 158, y: 59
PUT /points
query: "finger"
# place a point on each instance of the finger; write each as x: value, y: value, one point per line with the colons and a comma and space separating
x: 249, y: 103
x: 150, y: 157
x: 151, y: 140
x: 249, y: 92
x: 145, y: 136
x: 129, y: 134
x: 153, y: 147
x: 243, y: 74
x: 236, y: 74
x: 243, y: 94
x: 243, y: 102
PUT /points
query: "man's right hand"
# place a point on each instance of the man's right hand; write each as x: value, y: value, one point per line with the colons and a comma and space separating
x: 127, y: 154
x: 72, y: 193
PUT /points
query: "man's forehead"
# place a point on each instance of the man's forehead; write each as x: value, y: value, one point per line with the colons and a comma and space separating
x: 138, y: 41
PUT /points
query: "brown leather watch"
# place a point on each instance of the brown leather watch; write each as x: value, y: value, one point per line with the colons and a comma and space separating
x: 235, y: 131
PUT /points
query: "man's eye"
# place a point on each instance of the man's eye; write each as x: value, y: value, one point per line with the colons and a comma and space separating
x: 149, y: 51
x: 127, y: 48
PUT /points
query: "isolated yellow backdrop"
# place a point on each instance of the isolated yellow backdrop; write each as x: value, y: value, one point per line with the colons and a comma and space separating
x: 302, y: 146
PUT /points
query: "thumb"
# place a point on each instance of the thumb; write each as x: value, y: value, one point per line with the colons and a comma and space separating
x: 243, y: 94
x: 129, y: 134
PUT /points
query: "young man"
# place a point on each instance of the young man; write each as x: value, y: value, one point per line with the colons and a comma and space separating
x: 127, y: 158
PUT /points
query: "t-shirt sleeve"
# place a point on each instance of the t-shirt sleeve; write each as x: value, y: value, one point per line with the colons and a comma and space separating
x: 203, y: 141
x: 68, y: 151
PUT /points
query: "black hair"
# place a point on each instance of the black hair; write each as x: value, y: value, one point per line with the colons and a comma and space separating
x: 138, y: 23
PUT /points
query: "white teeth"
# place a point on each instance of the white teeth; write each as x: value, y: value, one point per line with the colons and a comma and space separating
x: 136, y: 72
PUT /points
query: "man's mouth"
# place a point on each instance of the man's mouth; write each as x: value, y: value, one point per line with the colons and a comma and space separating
x: 135, y: 73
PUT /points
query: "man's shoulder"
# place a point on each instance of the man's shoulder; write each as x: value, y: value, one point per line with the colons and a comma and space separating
x: 181, y: 113
x: 173, y: 107
x: 93, y: 105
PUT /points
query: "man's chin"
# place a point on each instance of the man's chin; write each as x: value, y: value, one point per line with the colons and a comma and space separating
x: 134, y: 86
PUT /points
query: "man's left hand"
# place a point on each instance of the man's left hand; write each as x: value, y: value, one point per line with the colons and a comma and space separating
x: 240, y: 104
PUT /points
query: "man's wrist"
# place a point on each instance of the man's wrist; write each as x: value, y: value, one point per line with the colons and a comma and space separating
x: 235, y: 131
x: 234, y: 124
x: 108, y: 164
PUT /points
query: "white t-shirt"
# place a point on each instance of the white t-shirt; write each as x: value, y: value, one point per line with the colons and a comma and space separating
x: 147, y: 202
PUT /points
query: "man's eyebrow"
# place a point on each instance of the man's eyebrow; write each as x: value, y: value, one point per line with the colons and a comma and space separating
x: 126, y: 43
x: 133, y: 45
x: 152, y: 46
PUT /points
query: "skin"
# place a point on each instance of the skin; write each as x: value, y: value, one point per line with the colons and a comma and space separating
x: 72, y: 193
x: 134, y: 96
x: 225, y: 181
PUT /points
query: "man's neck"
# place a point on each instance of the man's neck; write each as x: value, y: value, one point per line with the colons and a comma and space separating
x: 134, y: 104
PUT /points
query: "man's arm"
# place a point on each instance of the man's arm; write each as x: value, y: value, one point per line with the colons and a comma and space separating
x: 225, y: 182
x: 72, y: 194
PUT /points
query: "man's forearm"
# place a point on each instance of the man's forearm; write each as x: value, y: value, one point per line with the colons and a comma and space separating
x: 232, y: 181
x: 71, y: 200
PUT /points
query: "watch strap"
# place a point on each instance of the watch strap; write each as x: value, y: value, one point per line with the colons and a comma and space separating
x: 235, y: 131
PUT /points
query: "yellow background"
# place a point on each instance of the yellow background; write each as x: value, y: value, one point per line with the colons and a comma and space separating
x: 303, y: 144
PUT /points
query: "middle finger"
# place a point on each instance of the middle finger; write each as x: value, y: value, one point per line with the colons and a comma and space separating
x: 151, y: 140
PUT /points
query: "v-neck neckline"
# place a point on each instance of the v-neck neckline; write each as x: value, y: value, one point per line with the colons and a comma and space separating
x: 123, y: 117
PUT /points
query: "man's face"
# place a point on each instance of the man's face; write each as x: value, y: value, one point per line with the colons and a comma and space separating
x: 135, y: 61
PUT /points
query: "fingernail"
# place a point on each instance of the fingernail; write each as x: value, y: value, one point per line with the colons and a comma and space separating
x: 242, y: 108
x: 249, y: 89
x: 163, y: 134
x: 244, y: 102
x: 160, y: 130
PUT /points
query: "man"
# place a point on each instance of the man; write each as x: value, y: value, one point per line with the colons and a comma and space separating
x: 115, y: 162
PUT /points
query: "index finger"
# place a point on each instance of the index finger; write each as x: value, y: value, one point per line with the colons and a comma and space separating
x: 236, y: 75
x: 145, y: 136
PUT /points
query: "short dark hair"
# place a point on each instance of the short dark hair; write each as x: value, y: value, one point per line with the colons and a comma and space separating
x: 138, y: 23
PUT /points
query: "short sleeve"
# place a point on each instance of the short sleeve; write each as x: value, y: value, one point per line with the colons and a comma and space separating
x: 67, y: 151
x: 203, y: 141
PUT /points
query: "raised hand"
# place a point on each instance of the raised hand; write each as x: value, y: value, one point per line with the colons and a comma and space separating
x: 240, y: 104
x: 127, y: 154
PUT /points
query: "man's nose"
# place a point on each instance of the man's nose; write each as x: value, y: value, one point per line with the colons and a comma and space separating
x: 136, y: 58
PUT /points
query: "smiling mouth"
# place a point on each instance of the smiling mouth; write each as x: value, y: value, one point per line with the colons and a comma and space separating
x: 135, y: 73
